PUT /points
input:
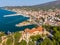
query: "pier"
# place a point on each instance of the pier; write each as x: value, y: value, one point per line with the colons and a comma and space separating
x: 25, y: 23
x: 15, y: 15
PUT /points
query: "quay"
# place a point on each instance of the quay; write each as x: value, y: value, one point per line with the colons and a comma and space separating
x: 25, y: 23
x: 15, y: 15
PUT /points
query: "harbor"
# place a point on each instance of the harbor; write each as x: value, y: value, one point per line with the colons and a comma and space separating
x: 8, y: 21
x: 25, y: 23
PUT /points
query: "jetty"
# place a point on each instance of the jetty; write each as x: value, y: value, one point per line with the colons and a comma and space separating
x: 25, y: 23
x: 15, y: 15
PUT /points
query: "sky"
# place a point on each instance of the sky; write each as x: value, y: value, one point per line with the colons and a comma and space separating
x: 22, y: 2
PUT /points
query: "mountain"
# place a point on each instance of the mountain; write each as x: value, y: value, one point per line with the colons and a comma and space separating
x: 49, y: 4
x: 53, y: 4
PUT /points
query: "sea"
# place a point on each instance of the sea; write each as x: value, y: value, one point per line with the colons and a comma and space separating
x: 9, y: 23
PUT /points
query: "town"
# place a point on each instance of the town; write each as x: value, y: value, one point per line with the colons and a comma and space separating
x: 49, y: 17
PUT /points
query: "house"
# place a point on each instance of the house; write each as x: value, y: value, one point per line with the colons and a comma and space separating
x: 30, y: 32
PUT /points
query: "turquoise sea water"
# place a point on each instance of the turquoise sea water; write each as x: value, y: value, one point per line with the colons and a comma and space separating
x: 8, y: 23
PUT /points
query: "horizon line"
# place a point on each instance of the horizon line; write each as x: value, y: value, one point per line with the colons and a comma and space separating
x: 26, y: 5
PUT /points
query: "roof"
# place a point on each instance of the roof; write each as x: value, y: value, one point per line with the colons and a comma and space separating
x: 33, y: 30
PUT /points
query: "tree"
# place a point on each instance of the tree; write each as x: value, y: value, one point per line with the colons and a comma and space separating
x: 35, y: 38
x: 9, y: 41
x: 23, y: 42
x: 57, y: 37
x: 46, y: 41
x: 31, y: 43
x: 17, y: 36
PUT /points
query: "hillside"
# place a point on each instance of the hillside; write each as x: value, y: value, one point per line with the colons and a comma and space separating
x: 49, y: 4
x: 53, y: 4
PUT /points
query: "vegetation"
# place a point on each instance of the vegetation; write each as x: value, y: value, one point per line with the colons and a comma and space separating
x: 2, y: 34
x: 31, y: 43
x: 0, y: 39
x: 55, y: 31
x: 9, y: 41
x: 35, y: 38
x: 17, y: 36
x: 23, y: 42
x: 55, y: 40
x: 46, y: 41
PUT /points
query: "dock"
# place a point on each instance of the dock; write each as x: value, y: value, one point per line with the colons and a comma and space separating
x: 15, y: 15
x: 25, y: 23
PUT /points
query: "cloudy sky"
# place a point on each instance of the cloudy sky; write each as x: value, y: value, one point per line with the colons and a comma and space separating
x: 22, y: 2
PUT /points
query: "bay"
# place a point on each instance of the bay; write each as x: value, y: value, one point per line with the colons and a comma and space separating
x: 8, y: 23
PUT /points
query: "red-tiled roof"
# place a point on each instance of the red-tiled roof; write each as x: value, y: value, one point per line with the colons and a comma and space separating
x: 33, y: 30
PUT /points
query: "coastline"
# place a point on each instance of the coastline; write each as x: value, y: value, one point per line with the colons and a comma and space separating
x: 24, y: 23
